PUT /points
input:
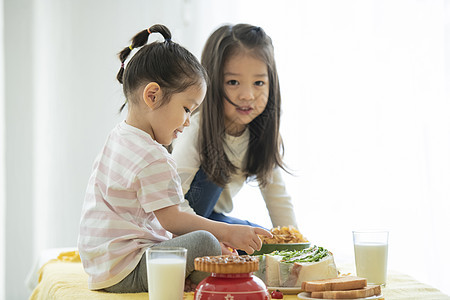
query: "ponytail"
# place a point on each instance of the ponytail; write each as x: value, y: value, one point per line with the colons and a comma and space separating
x: 167, y: 63
x: 139, y: 40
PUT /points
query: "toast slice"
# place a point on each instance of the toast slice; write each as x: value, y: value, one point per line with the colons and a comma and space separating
x: 335, y: 284
x: 367, y: 291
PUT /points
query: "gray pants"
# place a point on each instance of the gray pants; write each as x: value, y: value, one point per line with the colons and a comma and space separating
x: 198, y: 243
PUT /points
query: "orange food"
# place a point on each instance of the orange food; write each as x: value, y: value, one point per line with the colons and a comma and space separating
x: 284, y: 235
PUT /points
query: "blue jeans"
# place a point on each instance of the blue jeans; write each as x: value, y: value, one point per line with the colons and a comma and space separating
x: 203, y: 195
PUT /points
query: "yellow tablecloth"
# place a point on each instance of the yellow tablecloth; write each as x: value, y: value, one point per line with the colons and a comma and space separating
x: 64, y: 278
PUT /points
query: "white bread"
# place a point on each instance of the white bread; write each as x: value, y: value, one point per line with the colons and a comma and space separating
x: 272, y: 275
x: 367, y: 291
x: 335, y: 284
x: 293, y: 274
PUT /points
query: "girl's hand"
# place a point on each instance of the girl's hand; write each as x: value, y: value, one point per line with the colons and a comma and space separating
x: 246, y: 237
x: 227, y: 250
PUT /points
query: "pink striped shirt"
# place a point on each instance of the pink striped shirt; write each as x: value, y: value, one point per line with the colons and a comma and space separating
x: 132, y: 177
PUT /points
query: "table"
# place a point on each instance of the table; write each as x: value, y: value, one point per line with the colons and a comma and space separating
x: 64, y: 278
x: 398, y: 287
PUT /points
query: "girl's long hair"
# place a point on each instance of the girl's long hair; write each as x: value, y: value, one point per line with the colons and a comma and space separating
x: 265, y: 148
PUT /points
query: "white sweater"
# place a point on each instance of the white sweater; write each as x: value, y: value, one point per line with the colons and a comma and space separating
x: 187, y: 157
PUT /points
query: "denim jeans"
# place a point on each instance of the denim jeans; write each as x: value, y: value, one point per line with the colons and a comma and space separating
x: 203, y: 195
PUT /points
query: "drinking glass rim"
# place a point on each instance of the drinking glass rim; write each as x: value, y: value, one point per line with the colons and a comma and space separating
x: 370, y: 231
x: 166, y: 249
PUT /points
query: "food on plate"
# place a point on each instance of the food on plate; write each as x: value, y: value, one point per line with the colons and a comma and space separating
x: 335, y: 284
x: 348, y: 287
x: 291, y: 268
x: 284, y: 235
x: 227, y: 264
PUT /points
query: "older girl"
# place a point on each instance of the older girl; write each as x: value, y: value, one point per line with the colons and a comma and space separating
x: 235, y: 137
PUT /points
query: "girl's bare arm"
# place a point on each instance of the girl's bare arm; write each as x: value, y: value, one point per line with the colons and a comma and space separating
x: 238, y: 236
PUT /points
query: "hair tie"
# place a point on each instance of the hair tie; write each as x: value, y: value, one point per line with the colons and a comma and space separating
x: 168, y: 40
x: 131, y: 48
x: 122, y: 65
x: 149, y: 32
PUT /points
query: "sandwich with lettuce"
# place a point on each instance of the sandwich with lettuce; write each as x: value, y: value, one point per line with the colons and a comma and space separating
x: 290, y: 268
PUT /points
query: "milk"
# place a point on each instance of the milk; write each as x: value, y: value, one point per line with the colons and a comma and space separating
x: 371, y: 262
x: 166, y: 278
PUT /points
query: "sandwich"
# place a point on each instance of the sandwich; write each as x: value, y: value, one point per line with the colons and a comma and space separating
x: 291, y: 268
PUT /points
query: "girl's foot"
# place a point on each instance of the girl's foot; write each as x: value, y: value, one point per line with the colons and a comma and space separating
x: 189, y: 286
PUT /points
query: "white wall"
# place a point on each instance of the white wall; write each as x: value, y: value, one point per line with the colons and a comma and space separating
x: 2, y: 160
x: 365, y: 105
x: 18, y: 90
x: 365, y: 86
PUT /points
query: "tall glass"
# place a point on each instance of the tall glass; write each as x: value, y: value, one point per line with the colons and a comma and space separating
x: 371, y: 255
x: 166, y: 268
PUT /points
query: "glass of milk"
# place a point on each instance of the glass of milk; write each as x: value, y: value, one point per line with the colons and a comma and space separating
x: 166, y: 268
x: 371, y: 254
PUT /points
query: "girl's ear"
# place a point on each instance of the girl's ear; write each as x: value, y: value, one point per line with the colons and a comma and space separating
x: 152, y: 94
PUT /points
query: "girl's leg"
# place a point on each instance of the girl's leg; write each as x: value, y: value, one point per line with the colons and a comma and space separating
x: 203, y: 194
x: 197, y: 243
x: 135, y: 282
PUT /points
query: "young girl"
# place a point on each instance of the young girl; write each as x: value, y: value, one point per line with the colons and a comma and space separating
x: 133, y: 196
x: 235, y: 137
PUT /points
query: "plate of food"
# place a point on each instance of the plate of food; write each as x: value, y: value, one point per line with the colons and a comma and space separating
x: 284, y: 238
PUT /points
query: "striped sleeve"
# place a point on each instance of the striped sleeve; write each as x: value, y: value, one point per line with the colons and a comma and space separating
x: 159, y: 185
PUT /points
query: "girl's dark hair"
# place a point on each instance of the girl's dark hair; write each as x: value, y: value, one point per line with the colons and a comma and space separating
x: 167, y: 63
x: 265, y: 149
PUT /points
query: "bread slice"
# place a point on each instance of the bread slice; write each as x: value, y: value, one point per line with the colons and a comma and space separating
x: 335, y: 284
x: 367, y: 291
x: 294, y: 274
x: 272, y: 277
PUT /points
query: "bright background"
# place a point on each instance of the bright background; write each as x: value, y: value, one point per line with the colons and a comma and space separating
x: 366, y: 105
